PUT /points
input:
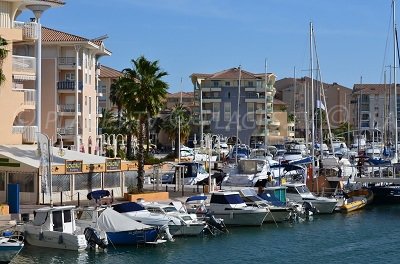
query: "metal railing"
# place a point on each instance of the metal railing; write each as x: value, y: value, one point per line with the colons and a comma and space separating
x: 69, y: 108
x: 68, y: 61
x: 68, y: 85
x: 30, y: 30
x: 24, y: 64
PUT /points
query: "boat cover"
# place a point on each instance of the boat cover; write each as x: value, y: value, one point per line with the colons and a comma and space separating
x: 379, y: 161
x: 112, y: 221
x: 196, y: 198
x: 128, y: 207
x: 96, y: 195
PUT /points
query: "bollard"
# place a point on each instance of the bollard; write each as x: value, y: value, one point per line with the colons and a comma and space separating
x: 61, y: 200
x: 174, y: 189
x: 166, y: 188
x: 79, y: 200
x: 112, y: 196
x: 42, y: 197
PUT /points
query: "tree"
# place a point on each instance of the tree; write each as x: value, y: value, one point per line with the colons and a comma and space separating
x: 179, y: 116
x: 3, y: 55
x: 144, y: 92
x: 129, y: 127
x: 107, y: 121
x: 117, y: 93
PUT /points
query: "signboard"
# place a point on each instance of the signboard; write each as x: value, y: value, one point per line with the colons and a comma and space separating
x: 113, y: 164
x: 73, y: 166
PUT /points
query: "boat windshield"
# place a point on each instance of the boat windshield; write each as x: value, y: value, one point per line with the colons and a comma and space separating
x: 302, y: 189
x: 170, y: 209
x: 250, y: 166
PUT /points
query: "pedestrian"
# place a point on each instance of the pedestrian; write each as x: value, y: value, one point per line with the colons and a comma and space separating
x: 340, y: 167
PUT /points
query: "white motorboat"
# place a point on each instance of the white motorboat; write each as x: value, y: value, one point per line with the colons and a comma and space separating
x: 298, y: 192
x: 248, y: 173
x: 181, y: 223
x: 10, y: 245
x: 278, y: 213
x: 55, y: 227
x: 233, y: 210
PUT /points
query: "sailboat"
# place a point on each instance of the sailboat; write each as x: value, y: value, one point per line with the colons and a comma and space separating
x: 390, y: 193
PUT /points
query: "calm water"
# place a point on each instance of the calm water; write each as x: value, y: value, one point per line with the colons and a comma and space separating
x: 370, y: 235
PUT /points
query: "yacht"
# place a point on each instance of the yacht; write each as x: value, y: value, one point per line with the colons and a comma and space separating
x: 298, y: 192
x: 55, y: 227
x: 229, y: 206
x: 248, y: 173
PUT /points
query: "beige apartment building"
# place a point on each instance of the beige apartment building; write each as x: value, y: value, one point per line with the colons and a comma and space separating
x: 296, y: 93
x: 107, y: 77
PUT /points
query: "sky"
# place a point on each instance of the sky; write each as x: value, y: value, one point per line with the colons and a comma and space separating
x: 353, y: 37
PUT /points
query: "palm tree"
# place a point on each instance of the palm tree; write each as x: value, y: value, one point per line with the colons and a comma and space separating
x: 3, y: 55
x: 106, y: 122
x: 179, y: 116
x: 144, y: 91
x: 129, y: 127
x: 116, y: 97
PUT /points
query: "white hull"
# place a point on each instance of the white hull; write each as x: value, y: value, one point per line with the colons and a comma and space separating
x: 242, y: 218
x: 189, y: 230
x: 277, y: 215
x: 323, y: 206
x: 54, y: 239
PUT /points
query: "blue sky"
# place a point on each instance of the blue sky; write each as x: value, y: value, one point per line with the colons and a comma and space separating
x: 205, y: 36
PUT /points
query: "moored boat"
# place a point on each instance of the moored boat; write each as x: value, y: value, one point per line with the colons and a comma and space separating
x: 10, y: 245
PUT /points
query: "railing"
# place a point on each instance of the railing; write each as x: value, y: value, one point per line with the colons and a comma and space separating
x: 24, y: 64
x: 65, y: 131
x: 28, y: 133
x: 69, y: 108
x: 29, y: 95
x: 68, y: 85
x: 30, y: 30
x: 68, y: 61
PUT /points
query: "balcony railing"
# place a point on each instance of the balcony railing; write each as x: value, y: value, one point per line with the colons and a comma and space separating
x: 69, y: 108
x: 28, y: 133
x: 66, y: 131
x: 30, y: 30
x: 24, y: 64
x: 68, y: 85
x: 29, y: 96
x: 68, y: 61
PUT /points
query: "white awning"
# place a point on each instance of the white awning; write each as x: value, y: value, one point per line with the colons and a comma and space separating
x: 24, y: 77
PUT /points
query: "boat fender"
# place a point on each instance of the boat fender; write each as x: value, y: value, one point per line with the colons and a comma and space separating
x: 60, y: 239
x: 41, y: 236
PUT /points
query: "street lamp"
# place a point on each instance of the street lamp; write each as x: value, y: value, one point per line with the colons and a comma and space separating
x: 61, y: 151
x: 194, y: 147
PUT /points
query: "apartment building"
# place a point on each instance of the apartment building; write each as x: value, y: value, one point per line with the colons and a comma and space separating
x: 107, y: 76
x: 234, y: 95
x: 296, y: 93
x: 69, y: 83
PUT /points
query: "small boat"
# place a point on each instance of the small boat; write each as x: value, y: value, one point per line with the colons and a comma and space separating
x: 120, y: 229
x: 10, y: 245
x: 298, y: 192
x: 229, y: 206
x: 55, y: 227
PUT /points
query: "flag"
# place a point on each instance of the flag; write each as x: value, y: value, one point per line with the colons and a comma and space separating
x: 320, y: 105
x: 44, y: 155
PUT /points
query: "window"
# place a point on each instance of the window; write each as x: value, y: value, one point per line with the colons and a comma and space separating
x: 85, y: 100
x: 227, y: 83
x: 227, y: 111
x: 250, y: 112
x: 251, y: 84
x: 90, y: 125
x: 25, y: 180
x: 216, y: 110
x: 90, y: 105
x: 70, y: 76
x: 215, y: 83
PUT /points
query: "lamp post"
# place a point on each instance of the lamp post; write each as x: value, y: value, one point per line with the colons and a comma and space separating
x: 194, y: 147
x: 61, y: 151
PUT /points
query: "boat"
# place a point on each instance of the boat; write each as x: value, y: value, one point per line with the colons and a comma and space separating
x: 120, y: 229
x: 11, y: 244
x: 298, y: 192
x: 386, y: 194
x: 356, y: 199
x: 229, y: 206
x: 55, y: 227
x: 248, y: 173
x: 181, y: 223
x: 278, y: 212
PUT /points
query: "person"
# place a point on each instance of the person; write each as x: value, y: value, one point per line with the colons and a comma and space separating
x: 340, y: 167
x: 269, y: 179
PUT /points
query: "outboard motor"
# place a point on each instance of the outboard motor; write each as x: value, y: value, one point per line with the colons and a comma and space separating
x: 308, y: 207
x: 165, y: 229
x: 215, y: 224
x: 94, y: 239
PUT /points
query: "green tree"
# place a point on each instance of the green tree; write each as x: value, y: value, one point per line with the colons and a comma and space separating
x: 107, y: 121
x: 3, y: 55
x: 179, y: 116
x: 129, y: 127
x: 144, y: 92
x: 117, y: 93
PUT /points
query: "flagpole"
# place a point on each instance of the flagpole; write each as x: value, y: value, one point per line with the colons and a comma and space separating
x: 179, y: 127
x: 237, y: 117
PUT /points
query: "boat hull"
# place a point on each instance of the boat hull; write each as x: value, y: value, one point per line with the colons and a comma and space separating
x: 190, y: 230
x: 353, y: 205
x: 277, y: 215
x: 133, y: 237
x: 386, y: 194
x: 241, y: 218
x: 54, y: 239
x: 323, y: 206
x: 8, y: 252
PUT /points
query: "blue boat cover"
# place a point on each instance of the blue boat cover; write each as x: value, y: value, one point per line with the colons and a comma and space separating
x: 127, y: 207
x: 96, y: 195
x: 379, y: 161
x: 196, y: 198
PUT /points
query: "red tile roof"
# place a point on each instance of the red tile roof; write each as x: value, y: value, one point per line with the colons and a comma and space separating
x: 52, y: 35
x: 229, y: 74
x: 107, y: 72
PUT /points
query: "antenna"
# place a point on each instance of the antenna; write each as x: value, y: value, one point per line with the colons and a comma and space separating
x: 101, y: 38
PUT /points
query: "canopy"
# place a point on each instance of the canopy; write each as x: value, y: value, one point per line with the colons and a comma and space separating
x: 112, y: 221
x: 196, y: 198
x: 96, y: 195
x: 128, y: 207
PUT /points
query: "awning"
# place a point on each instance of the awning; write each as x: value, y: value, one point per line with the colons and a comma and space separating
x: 24, y: 77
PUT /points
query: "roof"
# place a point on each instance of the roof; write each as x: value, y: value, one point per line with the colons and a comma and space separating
x: 232, y: 73
x: 179, y: 94
x: 372, y: 88
x: 107, y: 72
x: 27, y: 154
x: 53, y: 35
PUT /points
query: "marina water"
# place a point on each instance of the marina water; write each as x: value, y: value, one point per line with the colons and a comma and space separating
x: 370, y: 235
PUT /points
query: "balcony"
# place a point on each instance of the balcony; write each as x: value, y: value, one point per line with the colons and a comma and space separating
x: 28, y: 133
x: 209, y: 99
x: 68, y: 131
x: 68, y: 62
x: 68, y: 108
x: 274, y: 123
x: 23, y: 67
x: 275, y: 133
x: 30, y: 30
x: 29, y: 97
x: 211, y: 89
x: 68, y: 85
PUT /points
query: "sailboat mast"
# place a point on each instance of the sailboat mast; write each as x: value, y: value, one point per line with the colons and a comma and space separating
x: 294, y: 101
x: 394, y: 79
x: 312, y: 102
x: 265, y: 110
x: 237, y: 117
